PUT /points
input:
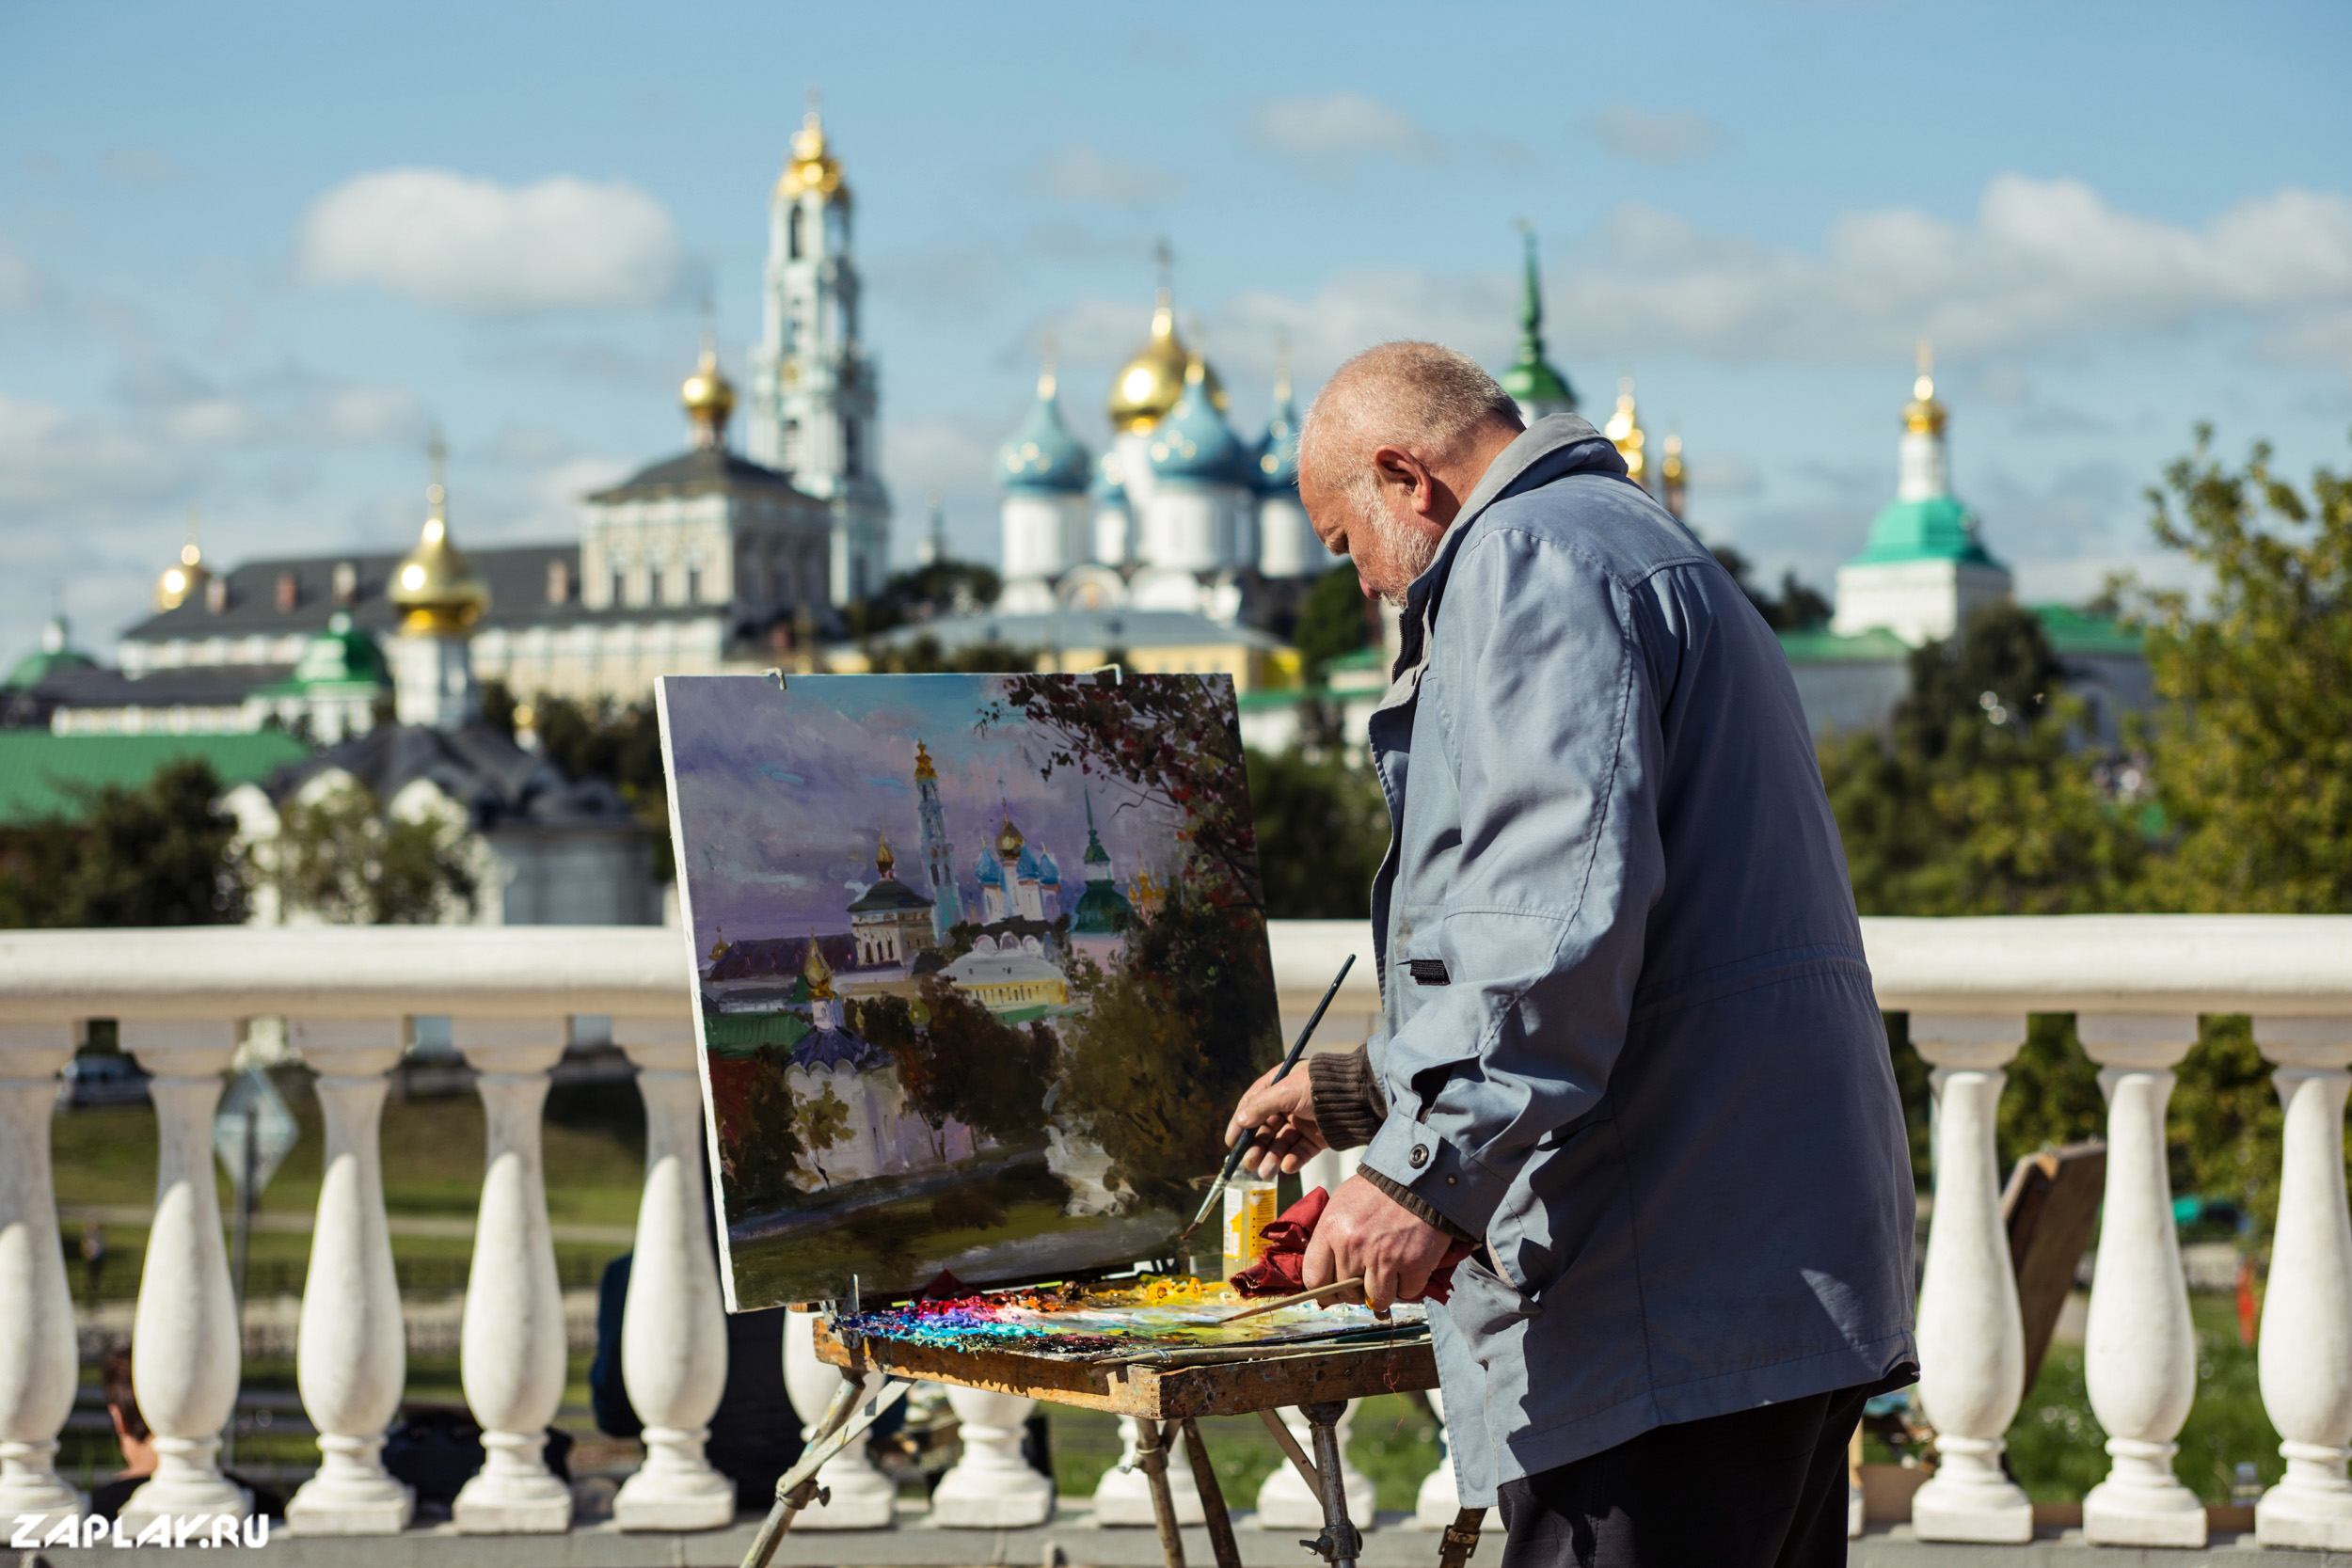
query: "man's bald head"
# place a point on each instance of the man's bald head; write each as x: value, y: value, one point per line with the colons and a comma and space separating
x: 1395, y: 439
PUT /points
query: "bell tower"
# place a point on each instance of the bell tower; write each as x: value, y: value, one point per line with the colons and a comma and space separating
x: 816, y: 395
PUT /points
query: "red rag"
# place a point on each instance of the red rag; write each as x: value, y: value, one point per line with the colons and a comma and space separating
x: 1280, y: 1272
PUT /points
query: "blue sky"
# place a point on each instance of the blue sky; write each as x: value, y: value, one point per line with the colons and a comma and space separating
x: 248, y: 252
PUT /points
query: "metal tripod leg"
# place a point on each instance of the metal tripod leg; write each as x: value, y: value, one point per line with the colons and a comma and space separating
x: 1340, y: 1543
x: 852, y: 1413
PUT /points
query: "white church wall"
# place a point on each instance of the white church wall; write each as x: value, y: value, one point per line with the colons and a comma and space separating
x: 1919, y: 601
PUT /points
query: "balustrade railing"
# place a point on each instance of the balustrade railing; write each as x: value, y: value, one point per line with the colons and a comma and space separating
x: 2136, y: 986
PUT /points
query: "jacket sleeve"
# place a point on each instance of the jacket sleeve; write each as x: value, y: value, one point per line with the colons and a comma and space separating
x: 1547, y: 712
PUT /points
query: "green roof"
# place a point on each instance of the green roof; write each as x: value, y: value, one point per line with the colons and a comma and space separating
x: 35, y: 668
x: 1820, y: 645
x: 1370, y: 657
x: 2073, y: 631
x: 343, y: 658
x: 1938, y: 528
x: 44, y: 775
x: 1532, y: 381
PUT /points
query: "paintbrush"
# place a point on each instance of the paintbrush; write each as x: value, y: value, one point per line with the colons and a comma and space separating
x: 1320, y: 1293
x: 1242, y: 1143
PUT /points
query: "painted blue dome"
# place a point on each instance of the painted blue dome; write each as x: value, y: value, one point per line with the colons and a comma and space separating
x: 1278, y: 454
x: 990, y: 873
x: 1194, y: 443
x: 1042, y: 455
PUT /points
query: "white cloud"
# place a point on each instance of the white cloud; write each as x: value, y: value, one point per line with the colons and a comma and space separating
x: 483, y: 248
x: 1081, y: 173
x: 1669, y: 138
x: 1330, y: 134
x: 51, y: 460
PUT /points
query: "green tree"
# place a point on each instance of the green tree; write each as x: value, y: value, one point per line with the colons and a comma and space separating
x: 346, y: 860
x: 925, y: 655
x: 155, y: 854
x: 958, y: 1060
x: 1797, y: 605
x: 2254, y: 744
x: 620, y: 743
x: 1322, y: 827
x: 1335, y: 618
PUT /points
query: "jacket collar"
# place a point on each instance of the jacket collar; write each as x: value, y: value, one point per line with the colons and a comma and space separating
x: 1554, y: 445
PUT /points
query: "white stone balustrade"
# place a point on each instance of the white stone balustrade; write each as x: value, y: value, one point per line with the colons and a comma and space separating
x: 2306, y: 1339
x: 858, y: 1496
x: 674, y: 1330
x: 1972, y: 1335
x: 36, y: 1359
x: 2135, y: 984
x: 992, y: 1486
x: 351, y: 1359
x: 185, y: 1348
x: 1284, y: 1501
x: 511, y: 1345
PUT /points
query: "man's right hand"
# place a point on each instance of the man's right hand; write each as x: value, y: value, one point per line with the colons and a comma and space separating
x: 1281, y: 1116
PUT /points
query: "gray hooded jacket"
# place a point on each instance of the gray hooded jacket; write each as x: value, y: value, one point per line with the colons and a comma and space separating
x: 1629, y: 1035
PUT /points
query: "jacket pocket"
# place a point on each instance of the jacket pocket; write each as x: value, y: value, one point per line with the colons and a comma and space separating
x: 1484, y: 1306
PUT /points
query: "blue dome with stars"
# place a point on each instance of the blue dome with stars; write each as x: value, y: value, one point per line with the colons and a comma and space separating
x: 1278, y: 454
x: 1194, y: 443
x: 1042, y: 455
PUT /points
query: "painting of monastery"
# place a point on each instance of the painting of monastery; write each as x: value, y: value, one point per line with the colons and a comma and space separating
x: 981, y: 965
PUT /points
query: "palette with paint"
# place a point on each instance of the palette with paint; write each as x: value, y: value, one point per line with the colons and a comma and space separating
x: 1111, y: 1320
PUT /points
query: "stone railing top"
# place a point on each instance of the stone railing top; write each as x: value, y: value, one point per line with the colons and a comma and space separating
x: 2277, y: 965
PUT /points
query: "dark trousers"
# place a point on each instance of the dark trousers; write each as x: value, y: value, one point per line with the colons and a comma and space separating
x: 1762, y: 1488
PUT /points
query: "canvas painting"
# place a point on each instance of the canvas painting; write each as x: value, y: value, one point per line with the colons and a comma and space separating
x: 981, y: 963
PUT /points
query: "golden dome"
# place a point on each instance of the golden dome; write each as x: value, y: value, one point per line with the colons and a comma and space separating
x: 708, y: 398
x: 1148, y: 385
x: 1625, y: 429
x: 439, y: 588
x: 811, y: 167
x: 884, y: 859
x: 924, y: 771
x: 1009, y: 839
x: 816, y: 972
x: 186, y: 575
x: 1924, y: 415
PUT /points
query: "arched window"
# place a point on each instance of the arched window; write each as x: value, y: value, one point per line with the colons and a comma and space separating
x: 792, y: 233
x: 853, y: 449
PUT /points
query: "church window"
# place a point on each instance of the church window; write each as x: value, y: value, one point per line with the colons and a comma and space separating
x: 653, y: 586
x: 792, y: 233
x: 693, y: 585
x: 853, y: 449
x: 620, y: 589
x: 559, y: 582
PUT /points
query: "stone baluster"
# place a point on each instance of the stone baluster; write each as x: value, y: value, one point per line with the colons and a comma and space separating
x: 351, y: 1361
x: 37, y: 1352
x: 1284, y: 1501
x: 992, y: 1486
x: 2306, y: 1356
x: 511, y: 1345
x: 1972, y: 1337
x: 2139, y: 1351
x: 1123, y: 1497
x: 185, y: 1341
x: 674, y: 1330
x: 860, y: 1497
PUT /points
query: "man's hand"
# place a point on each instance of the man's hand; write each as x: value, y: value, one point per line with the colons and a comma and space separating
x: 1365, y: 1232
x: 1283, y: 1117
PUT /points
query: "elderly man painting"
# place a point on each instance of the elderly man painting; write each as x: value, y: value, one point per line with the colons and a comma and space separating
x: 1629, y: 1042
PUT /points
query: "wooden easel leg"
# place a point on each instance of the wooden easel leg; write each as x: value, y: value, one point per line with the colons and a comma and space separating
x: 852, y: 1413
x: 1340, y: 1544
x: 1212, y: 1499
x: 1151, y: 1457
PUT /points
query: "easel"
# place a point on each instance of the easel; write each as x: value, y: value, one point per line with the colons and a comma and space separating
x: 1167, y: 1393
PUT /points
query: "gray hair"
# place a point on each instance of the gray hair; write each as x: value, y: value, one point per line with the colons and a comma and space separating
x: 1427, y: 398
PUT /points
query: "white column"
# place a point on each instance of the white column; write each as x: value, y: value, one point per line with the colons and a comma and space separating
x: 1123, y: 1497
x: 351, y: 1361
x: 862, y: 1496
x: 2139, y: 1351
x: 1972, y: 1335
x: 673, y: 1331
x: 992, y: 1486
x: 2307, y: 1313
x: 511, y: 1343
x: 1284, y: 1501
x: 38, y: 1354
x: 185, y: 1343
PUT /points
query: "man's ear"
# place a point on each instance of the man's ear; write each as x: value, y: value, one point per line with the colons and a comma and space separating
x: 1395, y: 466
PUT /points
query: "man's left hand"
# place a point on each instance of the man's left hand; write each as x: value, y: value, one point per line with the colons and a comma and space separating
x: 1365, y: 1232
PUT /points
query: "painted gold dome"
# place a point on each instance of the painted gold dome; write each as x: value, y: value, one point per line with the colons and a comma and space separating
x: 1009, y: 839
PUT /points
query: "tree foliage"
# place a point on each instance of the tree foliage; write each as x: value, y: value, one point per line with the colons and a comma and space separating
x: 957, y: 1060
x: 342, y: 858
x: 1334, y: 619
x: 1796, y: 606
x: 1322, y: 827
x: 155, y: 854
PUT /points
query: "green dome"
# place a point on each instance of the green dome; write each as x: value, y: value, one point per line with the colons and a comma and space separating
x: 35, y: 668
x: 342, y: 654
x: 1938, y: 528
x: 1532, y: 382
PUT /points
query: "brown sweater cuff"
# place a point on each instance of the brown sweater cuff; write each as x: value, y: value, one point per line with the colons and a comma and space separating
x: 1413, y: 1204
x: 1349, y: 1106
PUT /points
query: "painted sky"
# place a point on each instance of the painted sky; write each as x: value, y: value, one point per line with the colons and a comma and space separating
x: 781, y: 794
x: 250, y: 250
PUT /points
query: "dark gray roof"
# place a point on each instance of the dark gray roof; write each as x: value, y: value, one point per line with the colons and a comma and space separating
x: 501, y: 785
x: 194, y: 686
x: 705, y: 471
x: 517, y: 576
